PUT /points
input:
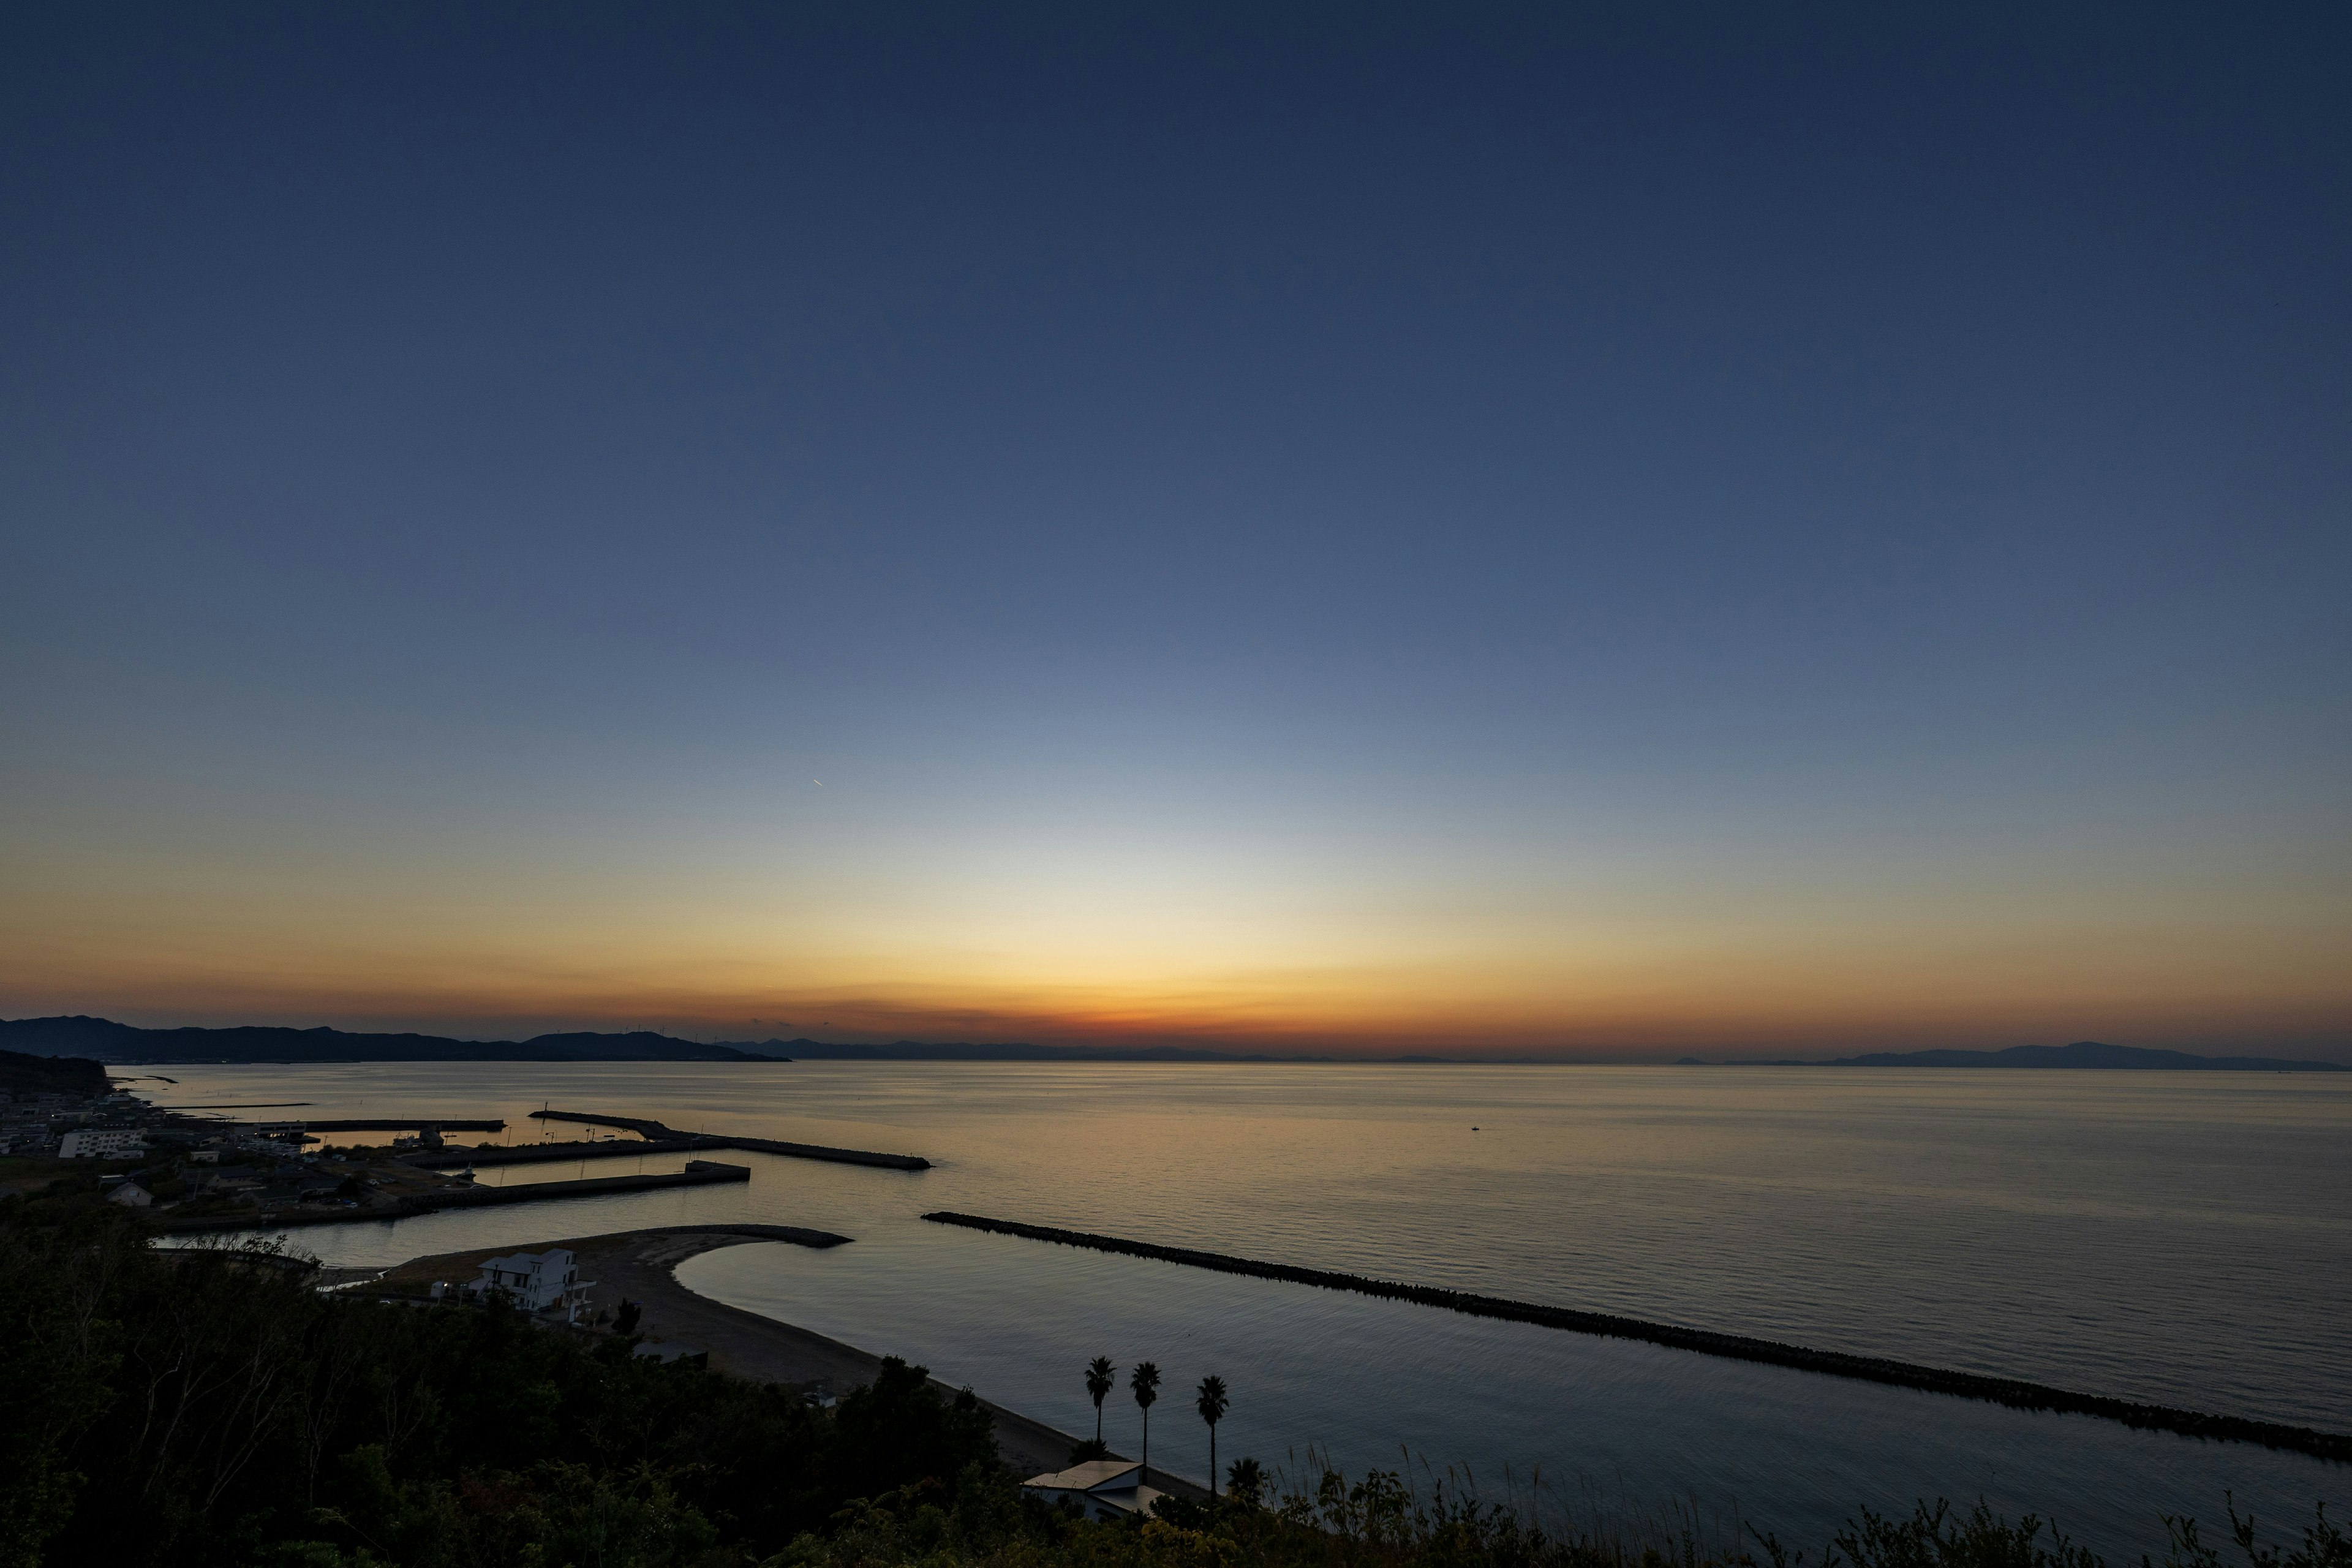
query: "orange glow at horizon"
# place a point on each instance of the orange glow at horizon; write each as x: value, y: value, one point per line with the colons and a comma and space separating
x: 1236, y: 938
x: 1626, y: 998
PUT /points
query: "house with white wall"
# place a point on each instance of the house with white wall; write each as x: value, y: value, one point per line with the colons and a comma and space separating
x: 535, y: 1281
x: 1103, y: 1489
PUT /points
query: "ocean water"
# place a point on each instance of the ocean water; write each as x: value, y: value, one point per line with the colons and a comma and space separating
x: 2177, y: 1237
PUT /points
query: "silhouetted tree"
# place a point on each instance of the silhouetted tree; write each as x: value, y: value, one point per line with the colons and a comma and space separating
x: 1245, y: 1481
x: 1101, y: 1378
x: 1145, y: 1385
x: 1212, y: 1403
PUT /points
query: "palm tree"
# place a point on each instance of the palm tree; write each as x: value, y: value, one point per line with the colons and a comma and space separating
x: 1101, y: 1378
x: 1245, y: 1481
x: 1145, y: 1385
x: 1213, y: 1403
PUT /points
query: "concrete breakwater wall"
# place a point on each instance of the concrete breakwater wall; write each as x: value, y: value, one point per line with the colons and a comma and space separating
x: 412, y: 1124
x: 700, y: 1173
x: 548, y: 1154
x: 649, y: 1129
x: 2015, y: 1392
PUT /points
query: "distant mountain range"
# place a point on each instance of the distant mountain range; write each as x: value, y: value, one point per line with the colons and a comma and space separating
x: 108, y: 1041
x: 105, y: 1040
x: 2081, y: 1054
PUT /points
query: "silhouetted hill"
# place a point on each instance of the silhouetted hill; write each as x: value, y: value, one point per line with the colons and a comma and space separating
x: 22, y: 1074
x: 2081, y: 1054
x: 109, y: 1041
x: 106, y: 1041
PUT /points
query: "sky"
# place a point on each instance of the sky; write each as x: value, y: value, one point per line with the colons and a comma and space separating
x: 1594, y: 533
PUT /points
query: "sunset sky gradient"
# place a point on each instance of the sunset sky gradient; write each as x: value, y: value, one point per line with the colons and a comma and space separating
x: 1449, y: 530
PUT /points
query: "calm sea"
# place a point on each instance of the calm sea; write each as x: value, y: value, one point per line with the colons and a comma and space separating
x: 2179, y: 1237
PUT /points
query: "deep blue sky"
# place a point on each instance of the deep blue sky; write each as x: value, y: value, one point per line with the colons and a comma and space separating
x: 1595, y: 532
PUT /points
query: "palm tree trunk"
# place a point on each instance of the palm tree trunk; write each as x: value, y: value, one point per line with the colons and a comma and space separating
x: 1147, y: 1443
x: 1213, y: 1458
x: 1097, y: 1420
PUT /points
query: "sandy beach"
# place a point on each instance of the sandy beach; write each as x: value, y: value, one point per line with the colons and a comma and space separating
x: 640, y: 1265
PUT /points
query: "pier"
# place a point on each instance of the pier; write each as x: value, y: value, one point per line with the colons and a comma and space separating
x: 698, y: 1174
x: 2015, y: 1392
x: 486, y: 1155
x: 414, y: 1124
x: 653, y: 1138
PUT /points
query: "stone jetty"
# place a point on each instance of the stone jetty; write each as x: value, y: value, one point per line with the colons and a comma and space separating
x: 698, y: 1174
x: 653, y: 1138
x: 2009, y: 1391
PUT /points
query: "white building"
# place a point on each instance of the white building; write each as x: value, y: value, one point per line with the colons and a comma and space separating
x: 1105, y: 1489
x: 101, y: 1143
x: 130, y: 1195
x: 535, y: 1281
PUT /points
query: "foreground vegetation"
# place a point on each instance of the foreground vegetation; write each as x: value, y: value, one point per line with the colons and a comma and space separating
x: 209, y: 1407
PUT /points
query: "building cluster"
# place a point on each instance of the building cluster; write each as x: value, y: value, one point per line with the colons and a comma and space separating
x: 120, y: 1126
x: 148, y: 1157
x: 42, y: 1123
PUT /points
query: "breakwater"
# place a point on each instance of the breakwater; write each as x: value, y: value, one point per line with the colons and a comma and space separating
x: 482, y: 1155
x: 2015, y: 1392
x: 670, y: 1138
x: 414, y: 1124
x: 700, y: 1173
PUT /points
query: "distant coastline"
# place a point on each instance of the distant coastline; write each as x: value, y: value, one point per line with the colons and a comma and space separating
x: 2093, y: 1054
x: 102, y: 1039
x: 107, y: 1041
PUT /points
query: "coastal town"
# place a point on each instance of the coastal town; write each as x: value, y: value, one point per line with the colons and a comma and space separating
x: 66, y: 1126
x: 187, y: 1170
x: 67, y: 1131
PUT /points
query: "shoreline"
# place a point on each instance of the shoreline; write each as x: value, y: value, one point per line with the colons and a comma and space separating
x: 641, y: 1266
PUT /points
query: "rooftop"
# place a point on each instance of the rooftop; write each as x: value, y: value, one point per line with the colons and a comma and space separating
x: 1089, y: 1476
x: 529, y: 1262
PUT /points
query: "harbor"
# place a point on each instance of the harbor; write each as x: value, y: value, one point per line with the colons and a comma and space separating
x: 698, y: 1174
